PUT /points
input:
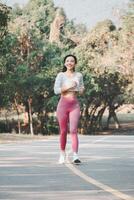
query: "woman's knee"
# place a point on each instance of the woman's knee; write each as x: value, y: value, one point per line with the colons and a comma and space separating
x: 63, y: 132
x: 73, y: 131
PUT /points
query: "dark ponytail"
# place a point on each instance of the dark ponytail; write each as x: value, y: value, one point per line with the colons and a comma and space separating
x: 64, y: 67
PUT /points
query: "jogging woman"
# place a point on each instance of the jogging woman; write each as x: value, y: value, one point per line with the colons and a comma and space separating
x: 68, y: 84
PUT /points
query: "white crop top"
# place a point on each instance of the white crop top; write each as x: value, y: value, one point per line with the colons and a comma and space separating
x: 63, y: 80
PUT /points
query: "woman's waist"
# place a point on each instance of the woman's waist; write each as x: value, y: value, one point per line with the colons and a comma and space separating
x: 69, y: 97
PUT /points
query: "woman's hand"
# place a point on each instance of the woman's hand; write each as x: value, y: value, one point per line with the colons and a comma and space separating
x: 71, y: 85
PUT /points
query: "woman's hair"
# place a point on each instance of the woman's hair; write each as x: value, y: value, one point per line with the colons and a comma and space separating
x: 70, y: 55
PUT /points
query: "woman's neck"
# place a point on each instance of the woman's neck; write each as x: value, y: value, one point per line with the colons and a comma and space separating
x: 69, y: 73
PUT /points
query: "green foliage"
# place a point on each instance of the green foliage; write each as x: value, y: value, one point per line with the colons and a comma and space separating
x: 29, y: 63
x: 41, y: 13
x: 4, y: 18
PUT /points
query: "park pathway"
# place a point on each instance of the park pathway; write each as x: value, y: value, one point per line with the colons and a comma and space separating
x: 29, y: 170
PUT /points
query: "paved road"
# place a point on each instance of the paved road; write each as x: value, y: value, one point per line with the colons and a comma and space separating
x: 29, y: 170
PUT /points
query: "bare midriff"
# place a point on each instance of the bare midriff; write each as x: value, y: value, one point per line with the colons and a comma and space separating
x: 69, y: 94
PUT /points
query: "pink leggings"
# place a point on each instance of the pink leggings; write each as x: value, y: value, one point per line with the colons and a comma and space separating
x: 68, y: 112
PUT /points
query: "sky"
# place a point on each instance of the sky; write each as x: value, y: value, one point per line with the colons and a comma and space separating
x: 88, y: 12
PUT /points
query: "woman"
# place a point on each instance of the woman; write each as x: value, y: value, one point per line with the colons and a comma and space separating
x: 69, y: 84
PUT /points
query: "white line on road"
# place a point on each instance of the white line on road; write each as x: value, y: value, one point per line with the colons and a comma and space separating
x: 97, y: 183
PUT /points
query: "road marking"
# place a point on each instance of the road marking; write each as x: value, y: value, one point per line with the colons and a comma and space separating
x: 95, y: 182
x: 99, y: 184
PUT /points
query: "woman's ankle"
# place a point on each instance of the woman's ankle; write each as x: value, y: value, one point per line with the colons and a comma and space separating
x: 75, y: 156
x: 62, y: 157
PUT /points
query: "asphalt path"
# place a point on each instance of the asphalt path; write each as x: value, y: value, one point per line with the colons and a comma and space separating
x: 29, y: 170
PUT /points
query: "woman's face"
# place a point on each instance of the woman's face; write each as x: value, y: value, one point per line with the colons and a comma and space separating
x: 70, y: 63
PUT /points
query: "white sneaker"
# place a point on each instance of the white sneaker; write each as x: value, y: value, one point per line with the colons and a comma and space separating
x: 62, y: 158
x: 76, y: 159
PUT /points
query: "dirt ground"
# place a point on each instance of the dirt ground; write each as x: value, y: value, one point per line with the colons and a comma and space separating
x: 11, y: 137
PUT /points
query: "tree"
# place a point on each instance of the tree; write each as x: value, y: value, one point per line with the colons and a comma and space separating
x: 4, y: 18
x: 105, y: 83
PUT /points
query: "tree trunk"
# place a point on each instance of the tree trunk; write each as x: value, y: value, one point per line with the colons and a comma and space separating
x: 18, y: 116
x: 85, y: 121
x: 113, y: 115
x: 99, y: 118
x: 30, y: 116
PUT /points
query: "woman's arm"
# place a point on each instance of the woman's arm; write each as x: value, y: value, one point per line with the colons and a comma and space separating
x: 70, y: 87
x: 57, y: 84
x: 58, y: 88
